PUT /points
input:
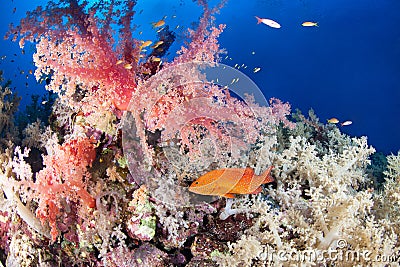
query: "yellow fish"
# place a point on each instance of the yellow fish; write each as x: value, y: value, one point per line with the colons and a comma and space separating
x: 227, y: 182
x: 309, y: 24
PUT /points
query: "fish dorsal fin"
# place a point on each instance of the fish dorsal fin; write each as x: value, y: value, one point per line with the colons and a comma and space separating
x: 258, y: 180
x: 267, y: 176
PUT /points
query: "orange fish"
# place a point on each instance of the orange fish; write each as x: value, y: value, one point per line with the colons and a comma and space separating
x: 158, y: 23
x: 145, y: 44
x: 333, y: 120
x: 128, y: 66
x: 157, y: 44
x: 156, y: 59
x: 227, y: 182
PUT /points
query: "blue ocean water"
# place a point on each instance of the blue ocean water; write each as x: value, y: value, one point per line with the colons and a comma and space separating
x: 348, y: 67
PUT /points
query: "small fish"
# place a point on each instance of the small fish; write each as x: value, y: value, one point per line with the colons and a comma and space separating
x: 253, y: 52
x: 146, y: 44
x: 30, y: 71
x: 120, y: 61
x: 128, y: 66
x: 333, y: 120
x: 156, y: 59
x: 157, y: 44
x: 268, y: 22
x: 160, y: 29
x: 158, y: 23
x: 309, y: 24
x: 227, y: 182
x: 44, y: 102
x: 256, y: 70
x: 346, y: 123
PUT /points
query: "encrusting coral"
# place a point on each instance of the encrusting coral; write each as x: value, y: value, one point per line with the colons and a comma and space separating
x: 127, y: 136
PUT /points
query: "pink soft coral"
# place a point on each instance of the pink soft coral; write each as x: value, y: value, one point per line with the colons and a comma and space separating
x: 63, y: 178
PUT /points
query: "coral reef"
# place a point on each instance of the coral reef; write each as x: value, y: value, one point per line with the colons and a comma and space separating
x: 9, y: 102
x: 105, y: 183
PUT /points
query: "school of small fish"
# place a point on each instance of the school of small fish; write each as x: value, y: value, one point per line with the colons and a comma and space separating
x: 273, y: 24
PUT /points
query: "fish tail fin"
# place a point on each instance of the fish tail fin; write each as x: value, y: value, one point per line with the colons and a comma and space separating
x: 267, y: 175
x: 258, y: 20
x: 228, y: 195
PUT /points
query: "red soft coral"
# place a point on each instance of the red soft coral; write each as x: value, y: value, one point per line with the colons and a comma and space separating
x: 76, y: 53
